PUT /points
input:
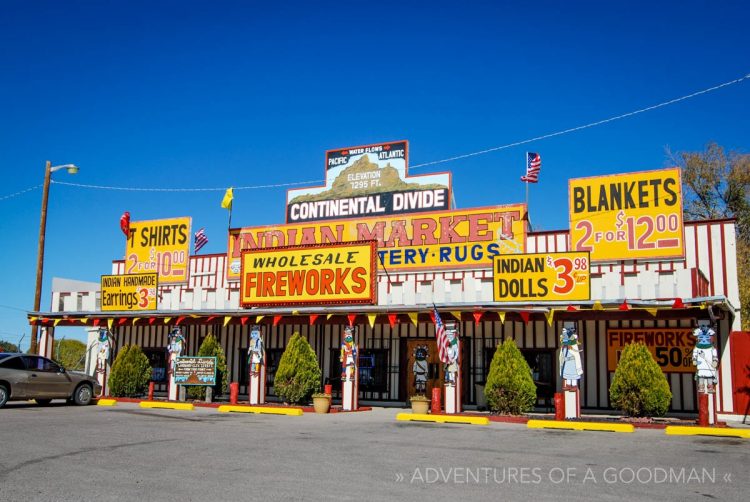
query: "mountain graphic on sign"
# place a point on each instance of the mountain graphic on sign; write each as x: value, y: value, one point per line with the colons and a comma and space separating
x: 388, y: 181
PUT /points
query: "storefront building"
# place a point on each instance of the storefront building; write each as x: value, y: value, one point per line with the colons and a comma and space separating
x: 654, y: 299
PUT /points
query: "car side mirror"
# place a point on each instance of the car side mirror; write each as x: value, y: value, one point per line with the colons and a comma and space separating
x: 61, y: 370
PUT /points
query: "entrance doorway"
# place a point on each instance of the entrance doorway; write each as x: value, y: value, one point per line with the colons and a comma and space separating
x: 431, y: 369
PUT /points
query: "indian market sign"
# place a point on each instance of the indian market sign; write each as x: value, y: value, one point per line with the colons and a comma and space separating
x: 309, y: 275
x: 370, y: 180
x: 195, y: 370
x: 541, y: 276
x: 160, y: 246
x: 129, y: 292
x: 671, y: 348
x: 629, y: 216
x: 466, y: 238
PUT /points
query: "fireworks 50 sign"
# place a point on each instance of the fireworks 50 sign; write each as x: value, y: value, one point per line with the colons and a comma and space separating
x: 315, y: 275
x: 466, y: 238
x: 129, y: 292
x: 541, y: 276
x: 628, y: 216
x: 161, y: 246
x: 672, y: 348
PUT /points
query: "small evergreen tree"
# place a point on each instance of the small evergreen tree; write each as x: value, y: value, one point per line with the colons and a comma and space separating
x: 639, y: 388
x: 211, y: 348
x: 69, y: 353
x: 130, y: 374
x: 510, y: 388
x: 298, y: 375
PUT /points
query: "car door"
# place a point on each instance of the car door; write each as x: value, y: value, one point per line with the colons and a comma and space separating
x: 45, y: 379
x: 13, y: 370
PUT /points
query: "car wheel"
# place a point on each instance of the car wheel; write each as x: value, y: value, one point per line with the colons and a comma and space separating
x: 43, y: 402
x: 4, y: 394
x: 83, y: 395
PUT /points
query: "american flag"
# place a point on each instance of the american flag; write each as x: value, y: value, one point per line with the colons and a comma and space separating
x: 200, y: 239
x: 533, y: 166
x: 442, y: 340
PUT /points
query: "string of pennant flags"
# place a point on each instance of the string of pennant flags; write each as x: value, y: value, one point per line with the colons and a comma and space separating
x: 393, y: 318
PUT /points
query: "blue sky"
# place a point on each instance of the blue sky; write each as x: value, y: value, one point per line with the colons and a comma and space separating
x: 217, y: 94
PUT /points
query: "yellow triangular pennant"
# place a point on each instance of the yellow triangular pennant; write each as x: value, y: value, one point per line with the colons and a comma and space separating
x: 457, y: 315
x: 57, y: 321
x: 84, y: 320
x: 501, y: 314
x: 135, y: 320
x: 109, y: 322
x: 167, y: 319
x: 328, y: 316
x: 227, y: 319
x: 371, y: 318
x: 258, y: 318
x: 33, y: 319
x: 413, y: 316
x: 598, y: 305
x: 550, y: 315
x: 295, y: 312
x: 652, y: 311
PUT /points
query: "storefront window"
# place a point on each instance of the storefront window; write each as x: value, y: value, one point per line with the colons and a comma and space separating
x: 157, y: 358
x: 373, y: 370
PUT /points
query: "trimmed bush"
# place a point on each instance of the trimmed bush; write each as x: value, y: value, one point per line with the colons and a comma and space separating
x: 211, y: 348
x: 510, y: 390
x: 69, y: 353
x: 639, y: 388
x: 130, y: 373
x: 298, y: 375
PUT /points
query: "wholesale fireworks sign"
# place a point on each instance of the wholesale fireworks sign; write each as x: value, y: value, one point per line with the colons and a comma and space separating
x: 629, y: 216
x: 671, y: 348
x: 160, y: 246
x: 541, y: 276
x: 129, y: 292
x: 309, y: 275
x: 467, y: 238
x: 370, y: 180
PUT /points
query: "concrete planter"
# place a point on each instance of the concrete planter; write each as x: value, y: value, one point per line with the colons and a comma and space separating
x: 420, y: 405
x: 322, y: 403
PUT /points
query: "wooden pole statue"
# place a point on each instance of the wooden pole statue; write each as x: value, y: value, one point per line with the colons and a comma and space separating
x: 349, y: 371
x: 256, y: 362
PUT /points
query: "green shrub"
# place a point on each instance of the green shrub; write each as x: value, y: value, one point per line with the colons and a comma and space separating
x: 510, y: 388
x: 69, y: 353
x: 298, y: 375
x: 211, y: 348
x: 130, y: 372
x: 639, y: 388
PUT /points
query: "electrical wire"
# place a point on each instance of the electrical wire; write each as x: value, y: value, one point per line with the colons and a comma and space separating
x: 10, y: 196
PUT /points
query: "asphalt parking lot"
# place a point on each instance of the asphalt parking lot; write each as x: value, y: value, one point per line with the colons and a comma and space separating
x: 127, y: 453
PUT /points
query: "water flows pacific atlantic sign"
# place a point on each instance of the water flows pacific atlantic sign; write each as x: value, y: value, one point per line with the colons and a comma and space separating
x: 369, y: 180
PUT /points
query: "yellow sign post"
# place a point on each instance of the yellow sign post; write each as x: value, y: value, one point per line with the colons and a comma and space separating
x: 309, y: 275
x: 466, y: 238
x: 628, y: 216
x: 541, y: 277
x: 129, y: 292
x: 161, y: 246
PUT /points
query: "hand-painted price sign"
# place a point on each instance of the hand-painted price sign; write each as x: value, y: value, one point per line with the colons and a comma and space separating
x: 161, y: 246
x: 628, y: 216
x: 671, y: 348
x: 541, y: 277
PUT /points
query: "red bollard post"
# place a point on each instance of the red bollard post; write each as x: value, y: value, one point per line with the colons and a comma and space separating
x: 328, y: 389
x: 703, y: 409
x: 234, y: 392
x: 559, y: 406
x: 436, y: 405
x: 151, y: 391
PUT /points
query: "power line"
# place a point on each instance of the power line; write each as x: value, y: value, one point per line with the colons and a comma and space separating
x: 133, y: 189
x: 10, y: 196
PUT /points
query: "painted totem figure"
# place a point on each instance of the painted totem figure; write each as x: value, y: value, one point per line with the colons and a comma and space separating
x: 705, y: 358
x: 256, y: 363
x: 420, y: 368
x: 453, y: 385
x: 103, y: 359
x: 571, y: 370
x: 349, y: 371
x: 175, y: 345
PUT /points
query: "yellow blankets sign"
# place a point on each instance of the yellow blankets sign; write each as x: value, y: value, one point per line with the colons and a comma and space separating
x: 541, y: 276
x: 309, y: 275
x: 466, y: 238
x: 629, y: 216
x: 161, y: 246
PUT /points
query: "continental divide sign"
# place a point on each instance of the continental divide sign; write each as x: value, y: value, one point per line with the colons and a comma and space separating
x: 309, y: 275
x: 466, y: 238
x: 369, y: 180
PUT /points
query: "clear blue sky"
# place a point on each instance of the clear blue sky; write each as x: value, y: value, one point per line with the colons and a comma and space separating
x: 214, y: 94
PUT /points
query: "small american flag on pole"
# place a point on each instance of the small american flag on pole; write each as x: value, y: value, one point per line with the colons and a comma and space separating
x: 442, y: 340
x: 533, y: 166
x: 200, y: 239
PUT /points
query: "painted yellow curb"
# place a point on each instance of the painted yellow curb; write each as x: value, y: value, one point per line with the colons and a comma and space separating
x: 167, y: 405
x: 444, y: 419
x: 106, y: 402
x: 270, y: 410
x: 688, y: 430
x: 579, y: 426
